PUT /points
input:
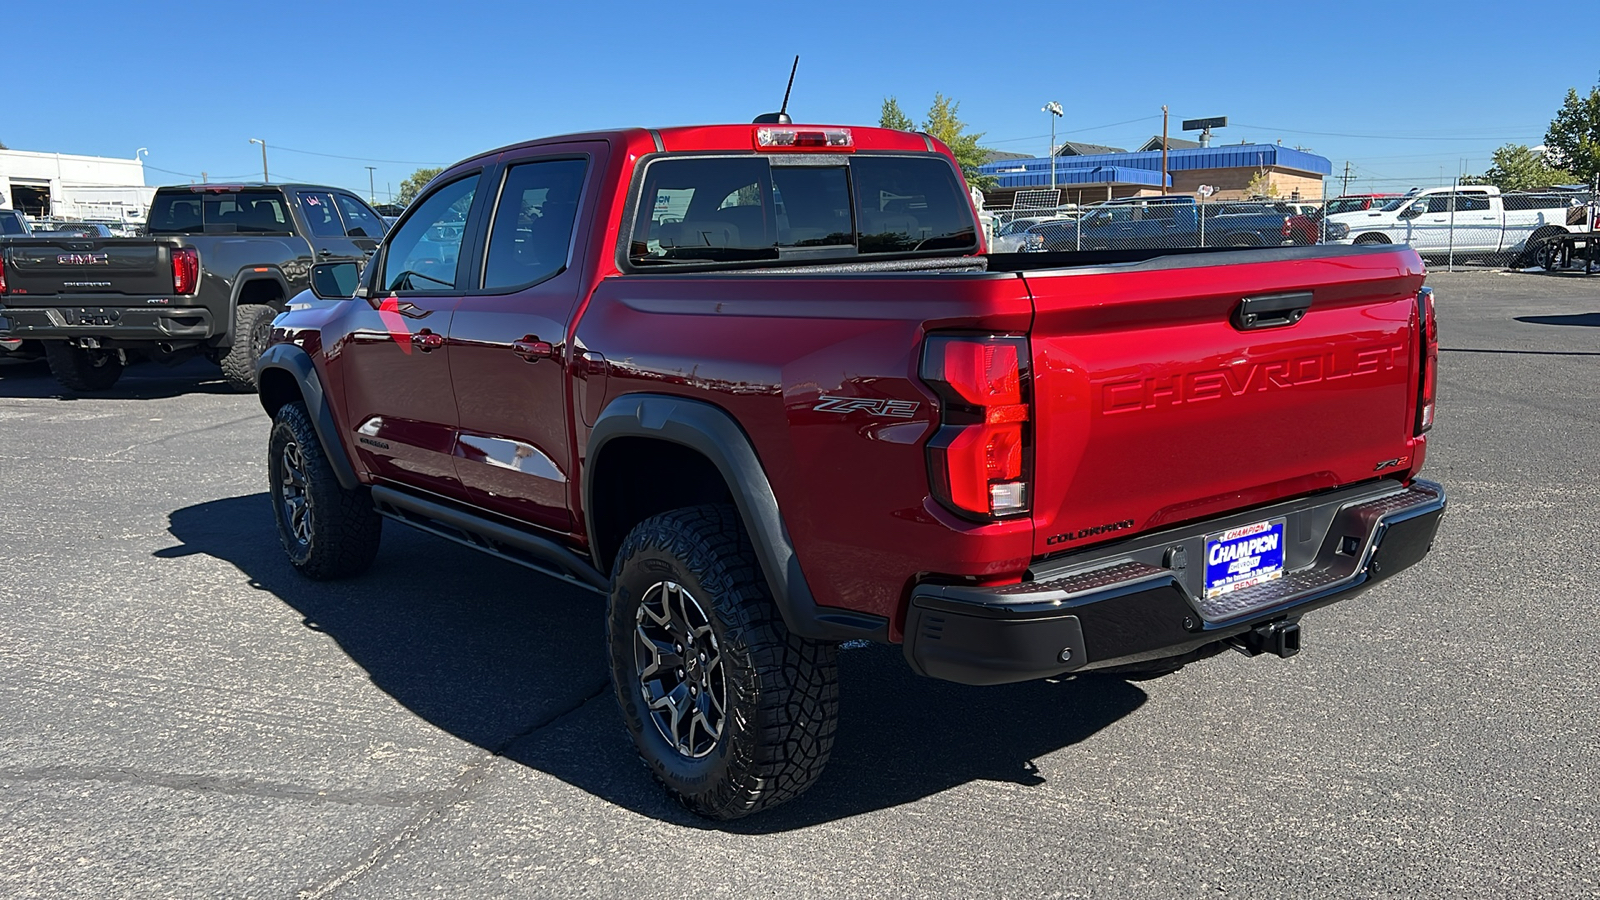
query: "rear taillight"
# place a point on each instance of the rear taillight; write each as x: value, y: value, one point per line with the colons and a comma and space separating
x: 978, y: 460
x: 185, y: 270
x: 1288, y: 227
x: 3, y: 288
x: 1428, y: 383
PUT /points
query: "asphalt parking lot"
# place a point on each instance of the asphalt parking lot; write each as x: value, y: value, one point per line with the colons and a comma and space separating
x: 182, y: 716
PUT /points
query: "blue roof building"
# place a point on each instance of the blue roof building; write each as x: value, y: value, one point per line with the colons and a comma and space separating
x: 1228, y: 169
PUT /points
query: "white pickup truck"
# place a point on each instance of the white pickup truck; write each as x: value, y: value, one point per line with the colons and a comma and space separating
x: 1482, y: 221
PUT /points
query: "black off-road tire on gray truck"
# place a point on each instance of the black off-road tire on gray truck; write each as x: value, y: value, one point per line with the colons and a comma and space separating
x: 327, y: 530
x: 728, y: 709
x: 252, y: 331
x: 83, y: 370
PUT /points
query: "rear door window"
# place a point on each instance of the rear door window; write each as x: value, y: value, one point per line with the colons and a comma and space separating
x: 359, y: 221
x: 532, y: 228
x: 320, y: 215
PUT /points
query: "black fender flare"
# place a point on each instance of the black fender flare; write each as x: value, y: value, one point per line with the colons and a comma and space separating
x: 245, y: 276
x: 715, y: 434
x: 296, y: 362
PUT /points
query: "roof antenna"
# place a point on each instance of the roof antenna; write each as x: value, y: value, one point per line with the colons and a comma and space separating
x: 781, y: 117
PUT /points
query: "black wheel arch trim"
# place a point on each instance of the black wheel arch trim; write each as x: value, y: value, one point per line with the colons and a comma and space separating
x: 296, y: 362
x: 246, y: 276
x: 715, y: 434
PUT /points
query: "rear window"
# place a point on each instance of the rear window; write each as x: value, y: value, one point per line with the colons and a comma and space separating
x: 218, y: 212
x: 758, y: 208
x: 10, y: 223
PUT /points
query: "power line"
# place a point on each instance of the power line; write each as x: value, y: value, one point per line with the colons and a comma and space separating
x: 1072, y: 131
x: 401, y: 162
x: 1382, y: 137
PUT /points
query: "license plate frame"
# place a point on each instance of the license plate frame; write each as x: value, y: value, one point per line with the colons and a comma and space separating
x: 1243, y: 557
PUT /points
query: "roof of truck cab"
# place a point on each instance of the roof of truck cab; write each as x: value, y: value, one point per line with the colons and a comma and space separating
x: 690, y: 138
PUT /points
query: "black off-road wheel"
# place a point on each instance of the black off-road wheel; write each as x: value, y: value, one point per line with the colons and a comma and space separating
x: 327, y: 530
x: 79, y: 369
x: 252, y: 329
x: 731, y: 712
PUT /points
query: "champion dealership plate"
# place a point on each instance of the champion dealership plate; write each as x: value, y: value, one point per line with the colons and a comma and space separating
x: 1243, y: 557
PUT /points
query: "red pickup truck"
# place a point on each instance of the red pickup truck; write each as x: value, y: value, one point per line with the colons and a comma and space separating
x: 761, y: 387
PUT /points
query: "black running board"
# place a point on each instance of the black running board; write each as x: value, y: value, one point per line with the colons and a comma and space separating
x: 494, y: 538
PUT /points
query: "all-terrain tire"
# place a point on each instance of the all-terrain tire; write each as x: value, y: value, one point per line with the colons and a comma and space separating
x: 252, y: 329
x: 780, y: 693
x: 328, y: 531
x: 82, y: 370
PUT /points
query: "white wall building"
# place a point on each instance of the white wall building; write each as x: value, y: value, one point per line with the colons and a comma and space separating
x: 64, y: 186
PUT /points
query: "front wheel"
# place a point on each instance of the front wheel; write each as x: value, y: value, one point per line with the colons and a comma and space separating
x: 731, y: 712
x: 327, y: 530
x: 81, y: 369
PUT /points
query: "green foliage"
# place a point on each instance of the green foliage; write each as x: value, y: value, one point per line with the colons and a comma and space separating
x: 944, y: 124
x: 3, y: 146
x: 1517, y: 168
x: 894, y: 117
x: 1261, y: 186
x: 1574, y: 136
x: 414, y: 183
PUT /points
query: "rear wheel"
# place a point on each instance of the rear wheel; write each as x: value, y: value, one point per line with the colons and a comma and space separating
x: 81, y: 369
x: 252, y: 329
x: 327, y: 530
x: 731, y: 712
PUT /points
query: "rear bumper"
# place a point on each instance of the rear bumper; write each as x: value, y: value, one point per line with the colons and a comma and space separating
x: 1141, y: 599
x: 111, y: 323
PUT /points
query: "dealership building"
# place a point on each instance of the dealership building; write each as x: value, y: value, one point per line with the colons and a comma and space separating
x: 1106, y: 172
x: 66, y: 186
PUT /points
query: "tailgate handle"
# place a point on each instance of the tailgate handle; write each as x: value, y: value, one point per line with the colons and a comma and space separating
x: 1272, y: 311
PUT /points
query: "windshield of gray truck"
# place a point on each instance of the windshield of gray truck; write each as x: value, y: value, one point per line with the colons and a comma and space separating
x: 211, y: 211
x: 752, y: 208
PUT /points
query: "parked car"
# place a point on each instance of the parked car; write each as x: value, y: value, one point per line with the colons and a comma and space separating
x: 75, y: 230
x: 220, y: 262
x: 805, y: 407
x: 1157, y: 222
x: 1356, y: 203
x: 1011, y: 236
x: 1477, y: 219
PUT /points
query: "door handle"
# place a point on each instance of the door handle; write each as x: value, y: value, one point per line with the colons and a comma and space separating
x: 532, y: 349
x: 324, y: 252
x: 427, y: 340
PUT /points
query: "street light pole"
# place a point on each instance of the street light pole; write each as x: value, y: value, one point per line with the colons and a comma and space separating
x: 372, y: 192
x: 1054, y: 109
x: 263, y: 144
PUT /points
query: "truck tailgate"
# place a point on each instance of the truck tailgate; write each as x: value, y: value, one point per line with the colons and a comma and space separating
x: 43, y: 270
x: 1158, y: 404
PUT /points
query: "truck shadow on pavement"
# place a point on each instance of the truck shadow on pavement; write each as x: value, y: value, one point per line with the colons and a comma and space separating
x: 32, y: 380
x: 513, y: 662
x: 1591, y: 320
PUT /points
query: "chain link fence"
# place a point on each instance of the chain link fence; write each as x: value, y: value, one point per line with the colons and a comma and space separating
x: 1455, y: 226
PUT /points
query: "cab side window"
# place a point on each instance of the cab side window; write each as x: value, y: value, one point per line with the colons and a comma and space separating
x: 532, y: 228
x: 320, y: 215
x: 359, y: 221
x: 425, y: 252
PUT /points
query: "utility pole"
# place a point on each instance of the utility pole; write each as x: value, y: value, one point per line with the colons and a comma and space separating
x: 204, y: 179
x: 264, y: 178
x: 1163, y: 148
x: 1055, y: 111
x: 372, y: 192
x: 1345, y: 189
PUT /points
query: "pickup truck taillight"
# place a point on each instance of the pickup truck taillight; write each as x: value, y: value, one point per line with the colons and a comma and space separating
x: 978, y: 460
x: 3, y: 288
x: 185, y: 270
x: 1428, y: 385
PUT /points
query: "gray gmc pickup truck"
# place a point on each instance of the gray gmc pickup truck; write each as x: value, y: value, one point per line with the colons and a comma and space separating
x: 220, y: 262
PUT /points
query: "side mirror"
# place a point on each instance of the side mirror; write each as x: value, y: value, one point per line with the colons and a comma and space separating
x: 335, y: 281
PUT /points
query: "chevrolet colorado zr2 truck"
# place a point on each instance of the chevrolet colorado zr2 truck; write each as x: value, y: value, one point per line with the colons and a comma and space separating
x: 221, y: 261
x: 761, y: 387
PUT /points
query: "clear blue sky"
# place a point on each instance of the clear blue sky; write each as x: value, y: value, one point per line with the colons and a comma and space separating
x: 1405, y: 91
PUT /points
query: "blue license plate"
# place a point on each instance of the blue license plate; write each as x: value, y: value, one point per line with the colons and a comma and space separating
x: 1244, y: 557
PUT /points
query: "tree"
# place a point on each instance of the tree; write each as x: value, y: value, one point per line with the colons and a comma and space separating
x: 1261, y: 186
x: 1574, y: 136
x: 414, y: 183
x: 894, y: 117
x: 1517, y: 168
x: 944, y: 124
x: 3, y: 146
